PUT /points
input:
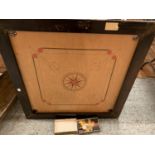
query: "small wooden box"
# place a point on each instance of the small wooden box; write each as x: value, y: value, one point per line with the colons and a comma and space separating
x: 74, y: 67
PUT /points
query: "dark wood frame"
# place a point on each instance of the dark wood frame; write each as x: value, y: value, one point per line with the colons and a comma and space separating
x: 144, y: 30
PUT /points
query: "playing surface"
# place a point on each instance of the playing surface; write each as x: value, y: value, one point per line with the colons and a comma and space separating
x: 71, y: 72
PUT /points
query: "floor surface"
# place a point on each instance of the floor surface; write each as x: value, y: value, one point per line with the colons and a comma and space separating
x: 137, y: 117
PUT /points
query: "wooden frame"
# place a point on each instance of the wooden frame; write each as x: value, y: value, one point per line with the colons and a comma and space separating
x: 143, y: 30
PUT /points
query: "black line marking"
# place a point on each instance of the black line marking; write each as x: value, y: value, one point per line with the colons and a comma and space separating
x: 76, y: 49
x: 38, y: 80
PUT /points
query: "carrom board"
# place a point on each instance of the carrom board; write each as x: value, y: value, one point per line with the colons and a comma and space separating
x: 74, y: 68
x: 69, y: 72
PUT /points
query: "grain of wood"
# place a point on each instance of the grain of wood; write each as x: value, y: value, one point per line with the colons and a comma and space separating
x: 149, y: 69
x: 7, y: 94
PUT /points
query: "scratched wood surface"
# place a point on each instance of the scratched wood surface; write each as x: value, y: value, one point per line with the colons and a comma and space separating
x: 2, y: 66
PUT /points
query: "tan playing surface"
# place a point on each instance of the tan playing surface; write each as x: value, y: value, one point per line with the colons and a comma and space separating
x: 71, y: 72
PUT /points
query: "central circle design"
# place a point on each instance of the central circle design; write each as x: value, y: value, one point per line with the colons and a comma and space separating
x: 74, y: 81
